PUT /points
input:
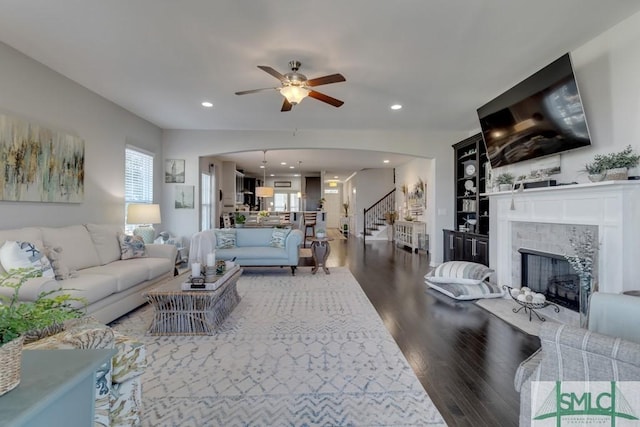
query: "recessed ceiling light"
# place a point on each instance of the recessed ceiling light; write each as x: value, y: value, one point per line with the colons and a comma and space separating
x: 207, y: 104
x: 261, y: 166
x: 335, y: 177
x: 271, y: 174
x: 396, y: 106
x: 297, y: 174
x: 385, y: 161
x: 283, y: 163
x: 292, y: 167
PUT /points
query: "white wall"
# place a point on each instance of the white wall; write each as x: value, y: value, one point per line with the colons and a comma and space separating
x: 607, y: 70
x: 409, y: 174
x: 370, y: 185
x: 34, y: 92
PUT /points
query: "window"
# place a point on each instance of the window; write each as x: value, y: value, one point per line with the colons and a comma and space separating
x: 138, y: 180
x: 205, y: 201
x: 286, y: 201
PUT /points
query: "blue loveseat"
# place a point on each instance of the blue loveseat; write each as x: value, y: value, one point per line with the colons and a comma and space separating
x: 250, y: 247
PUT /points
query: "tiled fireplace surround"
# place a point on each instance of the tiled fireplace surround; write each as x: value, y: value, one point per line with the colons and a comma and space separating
x: 543, y: 219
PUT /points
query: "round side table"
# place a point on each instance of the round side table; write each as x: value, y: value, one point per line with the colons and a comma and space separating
x: 320, y: 250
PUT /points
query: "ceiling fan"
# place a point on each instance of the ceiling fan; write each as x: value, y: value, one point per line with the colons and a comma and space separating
x: 295, y: 86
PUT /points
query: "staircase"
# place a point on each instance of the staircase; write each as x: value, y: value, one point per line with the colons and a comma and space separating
x: 374, y: 221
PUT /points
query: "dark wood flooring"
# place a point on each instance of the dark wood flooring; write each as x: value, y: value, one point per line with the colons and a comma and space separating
x: 464, y: 356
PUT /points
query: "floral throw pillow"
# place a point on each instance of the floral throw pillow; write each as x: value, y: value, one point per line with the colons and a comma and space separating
x: 279, y: 236
x: 131, y: 246
x: 225, y: 238
x: 24, y: 255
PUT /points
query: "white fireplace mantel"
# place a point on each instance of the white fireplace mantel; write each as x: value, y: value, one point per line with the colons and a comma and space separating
x: 612, y: 206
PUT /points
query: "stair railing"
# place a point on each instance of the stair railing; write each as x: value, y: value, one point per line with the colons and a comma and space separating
x: 375, y: 215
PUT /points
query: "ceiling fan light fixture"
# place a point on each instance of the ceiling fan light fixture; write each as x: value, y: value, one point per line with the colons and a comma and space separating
x: 294, y: 94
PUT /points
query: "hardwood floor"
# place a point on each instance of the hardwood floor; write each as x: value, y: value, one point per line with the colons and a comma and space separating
x: 465, y: 357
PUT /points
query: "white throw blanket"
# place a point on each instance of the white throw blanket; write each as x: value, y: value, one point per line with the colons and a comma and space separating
x: 202, y: 243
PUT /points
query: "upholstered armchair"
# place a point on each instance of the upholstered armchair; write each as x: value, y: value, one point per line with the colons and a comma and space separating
x: 609, y: 350
x: 118, y: 384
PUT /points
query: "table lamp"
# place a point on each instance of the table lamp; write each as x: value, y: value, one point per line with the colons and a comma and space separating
x: 144, y: 215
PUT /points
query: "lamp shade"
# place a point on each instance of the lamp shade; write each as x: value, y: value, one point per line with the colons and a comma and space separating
x: 143, y: 213
x: 264, y: 191
x: 294, y: 94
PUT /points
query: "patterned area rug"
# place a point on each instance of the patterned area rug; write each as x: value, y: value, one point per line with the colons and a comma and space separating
x: 297, y: 351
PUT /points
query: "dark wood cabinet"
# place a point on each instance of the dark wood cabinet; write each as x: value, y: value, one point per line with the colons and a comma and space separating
x: 463, y: 246
x: 471, y: 212
x: 471, y: 207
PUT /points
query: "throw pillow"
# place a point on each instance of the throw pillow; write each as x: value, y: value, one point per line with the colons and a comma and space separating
x: 225, y: 238
x: 60, y: 269
x: 131, y: 246
x: 24, y: 255
x: 461, y: 291
x: 462, y: 272
x: 278, y: 236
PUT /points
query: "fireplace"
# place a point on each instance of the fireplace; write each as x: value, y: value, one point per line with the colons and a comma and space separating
x: 551, y: 275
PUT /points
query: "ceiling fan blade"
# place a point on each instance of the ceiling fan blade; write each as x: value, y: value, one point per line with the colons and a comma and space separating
x: 332, y: 78
x: 244, y: 92
x: 325, y: 98
x: 286, y: 105
x: 273, y: 72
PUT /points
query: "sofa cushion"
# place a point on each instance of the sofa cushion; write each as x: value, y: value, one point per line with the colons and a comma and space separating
x: 131, y: 246
x: 463, y: 291
x: 279, y: 236
x: 131, y: 359
x: 60, y: 268
x: 225, y: 238
x: 254, y: 237
x: 252, y: 253
x: 75, y: 241
x: 14, y: 255
x: 91, y: 287
x: 462, y: 272
x: 105, y: 238
x: 28, y: 234
x: 127, y: 273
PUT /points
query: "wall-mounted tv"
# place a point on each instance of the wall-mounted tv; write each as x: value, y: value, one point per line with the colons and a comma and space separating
x: 540, y: 116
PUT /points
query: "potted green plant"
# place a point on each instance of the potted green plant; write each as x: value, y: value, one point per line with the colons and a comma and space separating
x: 595, y: 171
x: 240, y: 220
x: 615, y: 165
x: 505, y: 181
x: 22, y: 321
x: 321, y: 233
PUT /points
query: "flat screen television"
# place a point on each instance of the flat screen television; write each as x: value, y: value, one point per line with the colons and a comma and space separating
x: 540, y: 116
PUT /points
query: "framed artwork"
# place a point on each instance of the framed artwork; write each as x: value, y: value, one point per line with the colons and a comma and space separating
x: 39, y: 164
x: 174, y: 171
x: 184, y: 197
x: 282, y: 184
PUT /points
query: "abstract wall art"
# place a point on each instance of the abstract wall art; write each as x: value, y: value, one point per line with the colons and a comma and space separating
x: 39, y: 164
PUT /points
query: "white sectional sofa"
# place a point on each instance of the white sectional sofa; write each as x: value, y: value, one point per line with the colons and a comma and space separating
x: 111, y: 287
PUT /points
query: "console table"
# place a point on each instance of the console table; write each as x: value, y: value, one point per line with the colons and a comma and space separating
x: 407, y: 233
x: 57, y: 388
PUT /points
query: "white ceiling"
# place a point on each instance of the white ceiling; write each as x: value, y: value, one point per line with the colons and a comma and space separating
x: 441, y: 59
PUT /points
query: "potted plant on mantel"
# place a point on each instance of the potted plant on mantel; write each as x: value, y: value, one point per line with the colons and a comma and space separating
x: 612, y: 166
x: 22, y: 322
x: 504, y: 181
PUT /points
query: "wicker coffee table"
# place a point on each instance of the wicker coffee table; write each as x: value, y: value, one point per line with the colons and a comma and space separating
x: 177, y: 312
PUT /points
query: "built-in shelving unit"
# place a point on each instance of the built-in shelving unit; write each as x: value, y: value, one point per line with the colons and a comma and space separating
x: 469, y: 241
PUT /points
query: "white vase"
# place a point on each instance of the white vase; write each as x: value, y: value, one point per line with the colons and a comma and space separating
x: 505, y: 187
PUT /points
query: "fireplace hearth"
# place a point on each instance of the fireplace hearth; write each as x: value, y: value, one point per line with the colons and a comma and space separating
x: 551, y: 275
